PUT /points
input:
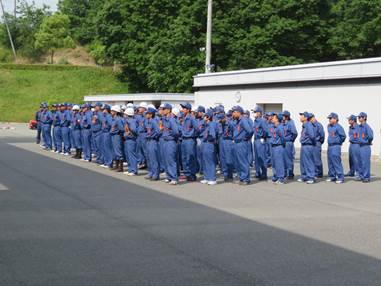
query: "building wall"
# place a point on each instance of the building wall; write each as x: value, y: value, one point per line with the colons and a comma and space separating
x: 321, y: 99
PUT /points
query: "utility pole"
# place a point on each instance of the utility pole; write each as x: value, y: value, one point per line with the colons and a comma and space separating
x: 9, y: 32
x: 15, y: 9
x: 208, y: 67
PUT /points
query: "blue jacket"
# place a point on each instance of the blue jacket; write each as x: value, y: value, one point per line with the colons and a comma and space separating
x: 189, y: 127
x: 290, y: 132
x: 152, y: 129
x: 106, y: 122
x: 200, y: 127
x: 366, y: 134
x: 277, y: 135
x: 97, y: 126
x: 226, y: 130
x: 209, y: 133
x: 46, y: 117
x: 319, y: 132
x: 354, y: 134
x: 75, y: 121
x: 132, y: 126
x: 86, y: 119
x: 308, y: 136
x: 336, y: 134
x: 140, y: 120
x: 170, y: 128
x: 57, y: 119
x: 243, y: 130
x: 260, y: 129
x: 65, y: 118
x: 117, y: 126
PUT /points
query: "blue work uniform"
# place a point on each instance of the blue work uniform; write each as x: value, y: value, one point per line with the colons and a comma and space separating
x: 260, y: 138
x: 141, y: 141
x: 354, y: 151
x: 336, y: 138
x: 320, y: 138
x: 188, y: 129
x: 86, y: 134
x: 96, y: 129
x: 130, y: 139
x: 39, y: 126
x: 57, y: 135
x: 243, y: 132
x: 268, y: 148
x: 65, y: 121
x: 208, y: 149
x: 308, y: 142
x: 170, y: 134
x: 76, y: 130
x: 161, y: 145
x: 200, y: 130
x: 277, y: 142
x: 108, y: 152
x: 46, y: 122
x: 152, y: 137
x: 225, y: 135
x: 366, y: 140
x: 290, y: 135
x: 116, y: 132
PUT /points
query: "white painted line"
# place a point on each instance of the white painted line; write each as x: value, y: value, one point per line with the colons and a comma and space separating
x: 3, y: 187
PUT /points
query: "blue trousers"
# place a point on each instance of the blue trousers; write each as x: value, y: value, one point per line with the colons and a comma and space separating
x: 365, y: 156
x: 107, y: 148
x: 250, y: 153
x: 226, y: 158
x: 46, y: 135
x: 170, y: 151
x: 86, y: 141
x: 209, y: 160
x: 71, y: 138
x: 318, y: 161
x: 132, y: 159
x: 117, y: 147
x: 65, y: 131
x: 277, y: 154
x: 141, y: 148
x: 57, y: 135
x: 260, y: 159
x: 335, y: 166
x: 354, y: 159
x: 189, y: 157
x: 39, y: 130
x: 242, y: 164
x: 268, y: 153
x: 153, y: 159
x: 98, y: 140
x: 77, y: 138
x: 199, y: 156
x: 162, y: 155
x: 289, y: 158
x: 307, y: 163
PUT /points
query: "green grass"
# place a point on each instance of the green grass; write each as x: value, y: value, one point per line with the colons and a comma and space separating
x: 23, y: 88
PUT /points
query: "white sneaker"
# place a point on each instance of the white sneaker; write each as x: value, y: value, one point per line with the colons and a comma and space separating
x: 83, y: 159
x: 166, y: 181
x: 124, y: 164
x: 57, y: 152
x: 66, y: 154
x: 212, y: 183
x: 330, y: 180
x: 52, y: 151
x: 131, y: 174
x: 339, y: 182
x: 300, y: 180
x: 310, y: 182
x: 204, y: 182
x: 174, y: 183
x: 279, y: 183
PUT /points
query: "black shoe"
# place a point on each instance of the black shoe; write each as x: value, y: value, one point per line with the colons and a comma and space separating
x: 290, y: 178
x: 263, y: 178
x: 228, y: 180
x: 191, y: 179
x: 366, y: 181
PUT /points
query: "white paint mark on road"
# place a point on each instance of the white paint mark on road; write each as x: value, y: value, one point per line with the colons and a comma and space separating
x: 3, y: 187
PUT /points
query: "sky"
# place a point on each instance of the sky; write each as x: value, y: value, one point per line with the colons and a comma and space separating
x: 52, y: 3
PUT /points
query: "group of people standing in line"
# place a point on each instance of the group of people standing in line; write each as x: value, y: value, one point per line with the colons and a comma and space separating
x: 183, y: 143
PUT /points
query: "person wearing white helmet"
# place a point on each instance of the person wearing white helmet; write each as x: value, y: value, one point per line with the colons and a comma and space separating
x: 76, y: 131
x: 130, y: 105
x: 141, y: 147
x: 130, y: 137
x: 117, y: 130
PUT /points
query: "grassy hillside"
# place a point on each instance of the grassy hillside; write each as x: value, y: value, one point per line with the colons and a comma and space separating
x: 23, y: 87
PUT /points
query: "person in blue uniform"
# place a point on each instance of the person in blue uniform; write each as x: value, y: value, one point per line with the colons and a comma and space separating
x: 308, y: 142
x: 320, y: 138
x: 170, y: 134
x: 188, y: 142
x: 96, y: 129
x: 153, y: 133
x: 106, y: 137
x: 116, y: 132
x: 130, y: 137
x: 277, y: 142
x: 75, y: 126
x: 208, y: 147
x: 269, y: 119
x: 290, y: 135
x: 161, y: 140
x: 336, y: 138
x: 200, y: 111
x: 354, y: 147
x: 225, y: 136
x: 243, y: 132
x: 250, y: 143
x: 39, y: 125
x: 260, y: 137
x: 65, y: 121
x: 141, y: 143
x: 366, y: 140
x: 57, y: 135
x: 86, y: 131
x: 46, y: 123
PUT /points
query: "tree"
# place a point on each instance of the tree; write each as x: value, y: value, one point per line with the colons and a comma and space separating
x: 54, y: 34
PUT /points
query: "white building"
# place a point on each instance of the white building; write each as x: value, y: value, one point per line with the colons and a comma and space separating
x: 151, y: 98
x: 344, y: 87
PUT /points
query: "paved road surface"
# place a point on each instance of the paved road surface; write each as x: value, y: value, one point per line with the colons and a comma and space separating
x: 64, y: 222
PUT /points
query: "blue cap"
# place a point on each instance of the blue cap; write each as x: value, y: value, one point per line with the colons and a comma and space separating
x: 186, y: 105
x: 306, y: 114
x: 99, y: 104
x: 107, y: 107
x: 220, y: 116
x: 201, y: 109
x: 258, y: 109
x: 352, y: 117
x: 229, y: 114
x: 280, y: 116
x: 286, y: 113
x: 363, y: 114
x: 44, y: 105
x: 167, y: 106
x: 151, y: 110
x: 333, y: 115
x: 219, y: 109
x: 209, y: 113
x: 238, y: 109
x: 247, y: 112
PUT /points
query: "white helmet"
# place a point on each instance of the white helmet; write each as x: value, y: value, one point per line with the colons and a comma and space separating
x: 176, y: 111
x: 123, y: 107
x: 115, y: 108
x: 151, y: 106
x: 130, y: 105
x: 143, y: 105
x: 129, y: 111
x: 194, y: 108
x: 76, y: 107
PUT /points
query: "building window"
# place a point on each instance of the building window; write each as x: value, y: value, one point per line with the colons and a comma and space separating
x: 271, y: 107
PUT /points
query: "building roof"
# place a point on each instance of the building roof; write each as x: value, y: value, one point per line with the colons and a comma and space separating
x: 141, y: 97
x: 350, y: 69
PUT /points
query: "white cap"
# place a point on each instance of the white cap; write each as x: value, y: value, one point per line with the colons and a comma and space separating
x: 176, y: 111
x: 115, y: 108
x: 151, y: 106
x: 194, y: 108
x: 130, y: 105
x: 129, y: 111
x: 123, y: 107
x: 143, y: 105
x: 76, y: 107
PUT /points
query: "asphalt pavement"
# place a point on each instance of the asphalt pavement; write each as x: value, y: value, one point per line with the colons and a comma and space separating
x: 67, y: 222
